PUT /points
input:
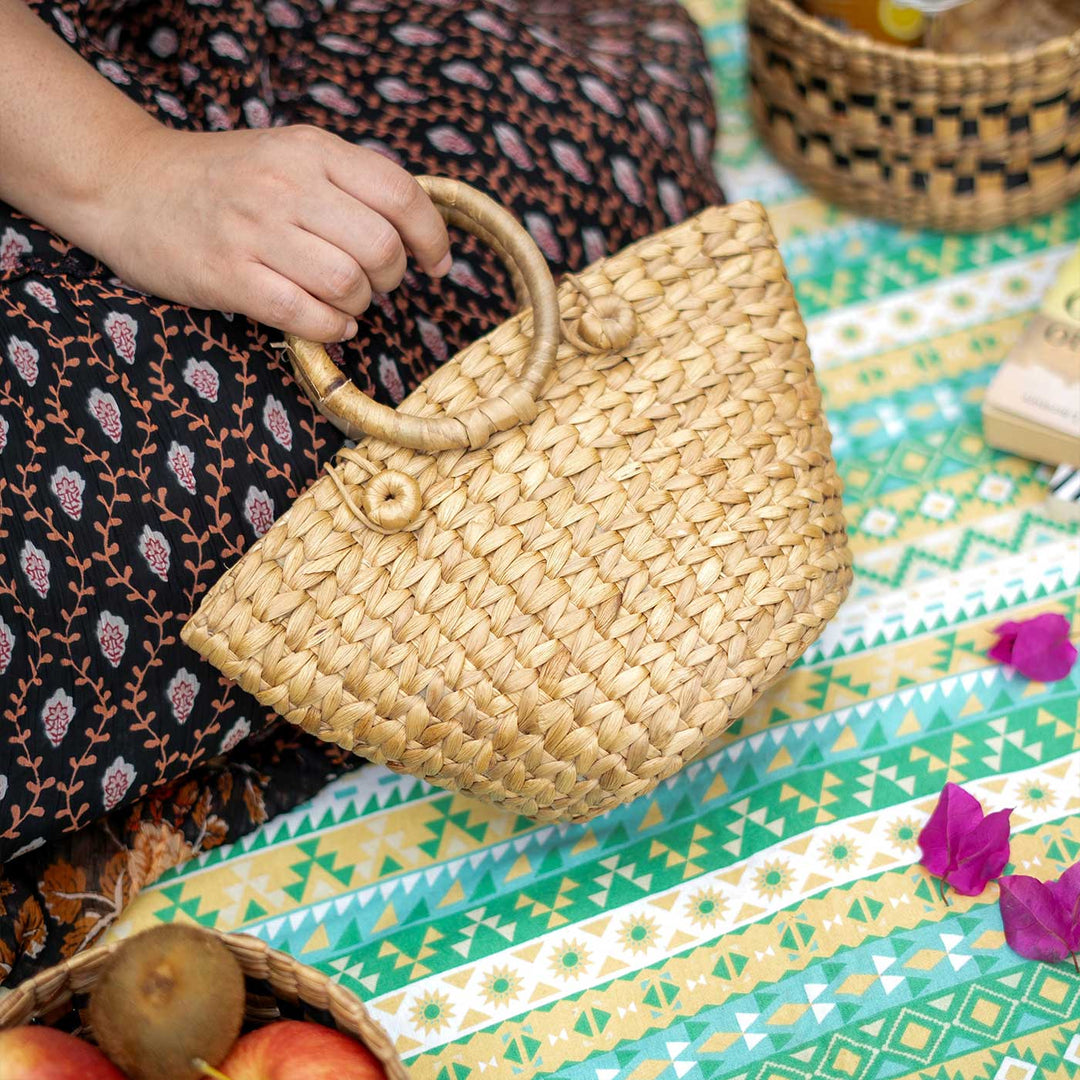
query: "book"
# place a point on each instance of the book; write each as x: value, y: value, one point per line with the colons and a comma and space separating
x: 1032, y: 406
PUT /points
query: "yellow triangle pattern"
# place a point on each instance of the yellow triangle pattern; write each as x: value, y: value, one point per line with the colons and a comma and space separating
x: 387, y: 919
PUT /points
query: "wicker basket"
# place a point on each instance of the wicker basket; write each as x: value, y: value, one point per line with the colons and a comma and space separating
x: 278, y: 988
x: 924, y: 138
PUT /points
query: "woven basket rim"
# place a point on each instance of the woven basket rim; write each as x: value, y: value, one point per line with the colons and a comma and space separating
x: 53, y: 983
x: 848, y: 45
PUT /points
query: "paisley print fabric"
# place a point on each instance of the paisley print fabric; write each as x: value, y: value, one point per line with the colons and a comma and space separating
x: 144, y: 445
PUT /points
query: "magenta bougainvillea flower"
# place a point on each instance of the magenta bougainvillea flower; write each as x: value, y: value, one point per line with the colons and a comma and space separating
x: 963, y: 846
x: 1042, y: 918
x: 1038, y: 648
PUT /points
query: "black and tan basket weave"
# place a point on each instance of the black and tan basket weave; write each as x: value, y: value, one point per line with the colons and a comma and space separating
x: 956, y: 142
x: 278, y: 988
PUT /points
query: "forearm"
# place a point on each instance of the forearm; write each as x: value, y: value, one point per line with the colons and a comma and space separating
x: 292, y: 226
x: 65, y: 130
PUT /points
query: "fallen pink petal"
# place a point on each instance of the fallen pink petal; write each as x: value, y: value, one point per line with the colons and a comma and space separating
x: 981, y: 856
x: 1038, y: 648
x: 956, y: 812
x: 961, y: 844
x: 1067, y: 893
x: 1042, y: 919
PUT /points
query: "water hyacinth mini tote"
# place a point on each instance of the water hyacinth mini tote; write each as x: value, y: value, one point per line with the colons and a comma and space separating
x: 581, y: 548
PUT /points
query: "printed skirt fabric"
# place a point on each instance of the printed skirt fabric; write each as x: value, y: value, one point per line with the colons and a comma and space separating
x: 144, y: 445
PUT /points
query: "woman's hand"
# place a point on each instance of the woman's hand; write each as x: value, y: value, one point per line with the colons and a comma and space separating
x: 291, y: 226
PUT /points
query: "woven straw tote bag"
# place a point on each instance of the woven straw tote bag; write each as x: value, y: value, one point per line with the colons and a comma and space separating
x: 578, y: 550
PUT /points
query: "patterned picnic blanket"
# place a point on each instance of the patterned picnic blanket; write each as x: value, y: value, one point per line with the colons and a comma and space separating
x: 760, y: 916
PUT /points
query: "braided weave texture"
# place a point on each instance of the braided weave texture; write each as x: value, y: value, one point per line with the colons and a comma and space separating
x: 580, y: 607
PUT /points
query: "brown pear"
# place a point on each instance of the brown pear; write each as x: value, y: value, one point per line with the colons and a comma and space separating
x: 167, y: 997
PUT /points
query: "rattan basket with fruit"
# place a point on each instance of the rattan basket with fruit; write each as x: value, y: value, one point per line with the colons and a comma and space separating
x: 180, y: 1003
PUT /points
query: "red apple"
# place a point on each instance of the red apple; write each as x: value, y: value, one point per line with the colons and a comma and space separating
x: 42, y: 1053
x: 291, y: 1050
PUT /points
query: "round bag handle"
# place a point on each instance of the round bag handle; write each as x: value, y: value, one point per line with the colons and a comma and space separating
x: 356, y: 414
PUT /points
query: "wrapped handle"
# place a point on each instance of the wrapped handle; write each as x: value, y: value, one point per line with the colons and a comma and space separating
x: 354, y: 413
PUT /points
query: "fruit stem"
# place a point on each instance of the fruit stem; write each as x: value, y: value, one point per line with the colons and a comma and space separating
x: 1076, y: 963
x: 208, y: 1069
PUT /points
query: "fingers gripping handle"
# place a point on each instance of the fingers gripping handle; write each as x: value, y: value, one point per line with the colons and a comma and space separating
x: 356, y: 414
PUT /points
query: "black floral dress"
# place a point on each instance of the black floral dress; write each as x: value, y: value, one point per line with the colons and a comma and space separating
x: 144, y: 446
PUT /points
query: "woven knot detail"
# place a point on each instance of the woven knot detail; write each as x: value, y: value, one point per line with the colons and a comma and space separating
x: 607, y: 324
x: 391, y: 500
